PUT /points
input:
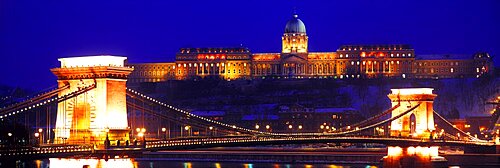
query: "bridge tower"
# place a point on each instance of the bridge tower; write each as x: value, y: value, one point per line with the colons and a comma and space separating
x: 101, y: 112
x: 420, y: 121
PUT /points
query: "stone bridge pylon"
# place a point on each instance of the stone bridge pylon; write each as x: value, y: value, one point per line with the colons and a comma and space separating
x: 418, y: 122
x: 98, y: 113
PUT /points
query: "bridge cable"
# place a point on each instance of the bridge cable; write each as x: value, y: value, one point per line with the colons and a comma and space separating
x: 455, y: 128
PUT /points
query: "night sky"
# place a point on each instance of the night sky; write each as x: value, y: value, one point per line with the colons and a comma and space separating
x: 33, y: 34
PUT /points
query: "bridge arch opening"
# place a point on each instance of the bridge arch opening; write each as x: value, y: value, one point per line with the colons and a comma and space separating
x: 413, y: 123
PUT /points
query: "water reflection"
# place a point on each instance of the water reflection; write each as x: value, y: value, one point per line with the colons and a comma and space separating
x: 90, y: 163
x: 140, y: 163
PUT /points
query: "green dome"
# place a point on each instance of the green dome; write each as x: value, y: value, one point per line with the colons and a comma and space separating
x: 295, y: 25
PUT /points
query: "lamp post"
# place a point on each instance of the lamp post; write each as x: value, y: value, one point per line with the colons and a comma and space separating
x: 211, y: 130
x: 41, y: 135
x: 188, y: 128
x: 10, y: 135
x: 300, y: 127
x: 37, y: 136
x: 142, y: 134
x: 257, y: 126
x: 164, y: 130
x: 268, y: 127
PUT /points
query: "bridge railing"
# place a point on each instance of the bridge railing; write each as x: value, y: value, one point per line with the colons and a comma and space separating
x: 6, y: 152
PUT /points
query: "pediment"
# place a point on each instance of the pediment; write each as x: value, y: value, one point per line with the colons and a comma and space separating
x: 293, y: 58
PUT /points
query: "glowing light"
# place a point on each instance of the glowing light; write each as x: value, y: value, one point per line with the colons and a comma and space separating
x: 91, y: 61
x: 394, y: 151
x: 412, y: 91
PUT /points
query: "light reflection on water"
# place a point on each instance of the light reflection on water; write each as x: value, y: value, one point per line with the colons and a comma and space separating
x: 90, y: 163
x: 132, y: 163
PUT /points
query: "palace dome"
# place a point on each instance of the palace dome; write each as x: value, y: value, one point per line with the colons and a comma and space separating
x: 295, y: 25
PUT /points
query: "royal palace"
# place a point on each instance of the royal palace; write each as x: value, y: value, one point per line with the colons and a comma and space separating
x: 295, y: 61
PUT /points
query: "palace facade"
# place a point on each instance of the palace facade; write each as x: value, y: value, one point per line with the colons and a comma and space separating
x: 295, y: 61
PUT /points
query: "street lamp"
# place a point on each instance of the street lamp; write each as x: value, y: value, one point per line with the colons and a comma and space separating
x: 257, y: 126
x: 290, y: 126
x: 164, y: 130
x: 268, y: 127
x: 37, y: 136
x: 187, y: 128
x: 300, y: 127
x: 41, y: 135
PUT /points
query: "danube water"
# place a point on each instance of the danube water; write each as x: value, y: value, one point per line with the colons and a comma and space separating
x: 136, y: 163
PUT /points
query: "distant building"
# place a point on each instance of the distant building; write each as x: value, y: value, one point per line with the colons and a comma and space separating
x: 475, y: 125
x: 296, y: 117
x: 296, y: 61
x: 213, y: 115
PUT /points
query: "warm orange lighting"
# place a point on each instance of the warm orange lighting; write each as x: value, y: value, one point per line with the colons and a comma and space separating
x: 163, y: 129
x: 64, y: 163
x: 257, y: 126
x: 37, y: 134
x: 40, y: 130
x: 412, y: 91
x: 394, y: 151
x: 92, y: 61
x: 186, y: 127
x: 363, y: 54
x: 267, y: 126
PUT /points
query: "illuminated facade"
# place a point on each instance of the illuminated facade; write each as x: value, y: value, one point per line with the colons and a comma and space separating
x: 420, y: 121
x: 101, y: 111
x: 295, y: 61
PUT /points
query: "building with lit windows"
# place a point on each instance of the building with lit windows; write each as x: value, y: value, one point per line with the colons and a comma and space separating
x: 296, y: 61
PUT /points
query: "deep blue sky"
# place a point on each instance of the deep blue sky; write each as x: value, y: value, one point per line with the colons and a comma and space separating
x: 33, y: 34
